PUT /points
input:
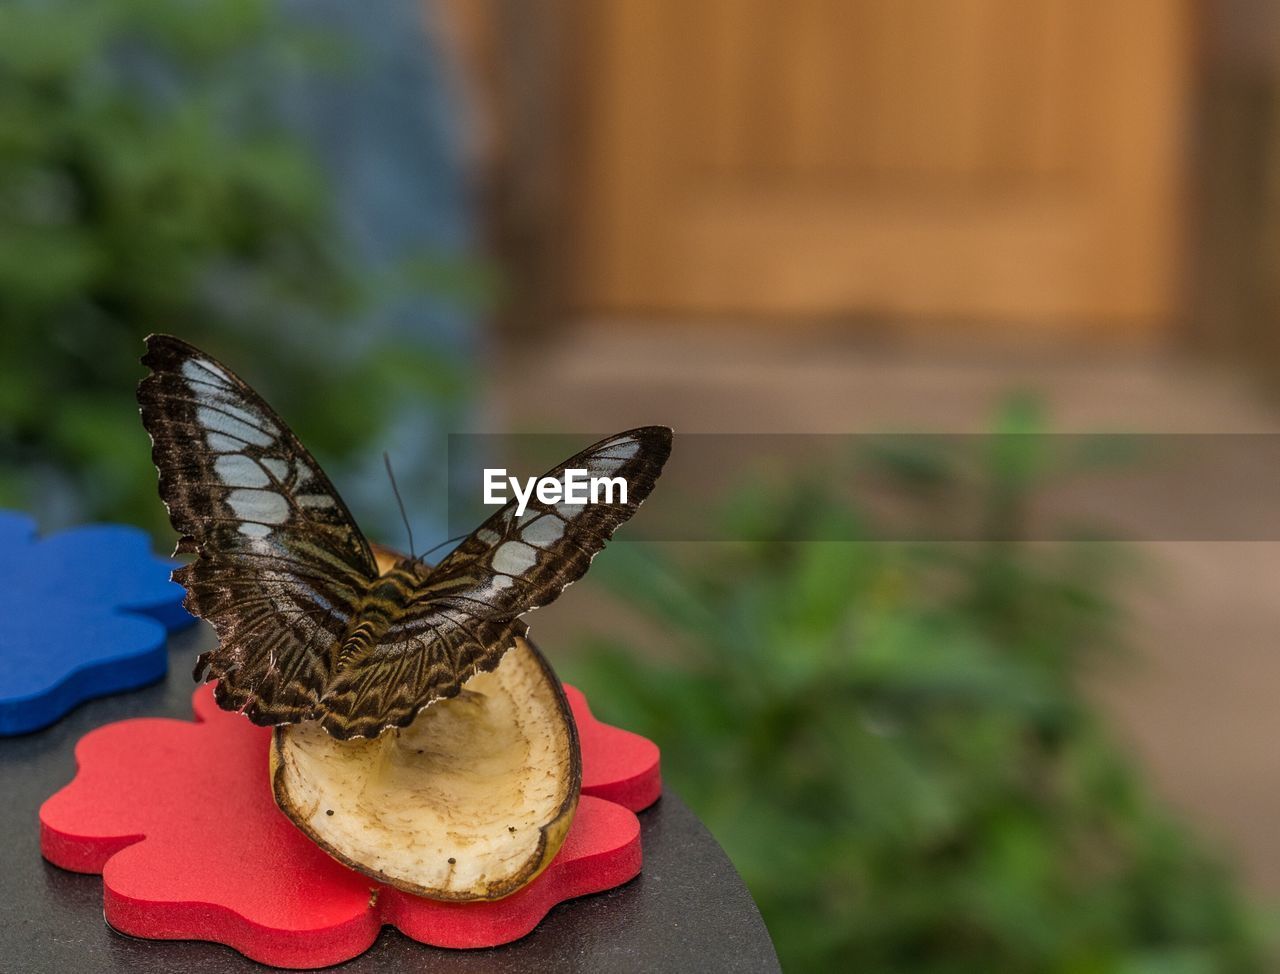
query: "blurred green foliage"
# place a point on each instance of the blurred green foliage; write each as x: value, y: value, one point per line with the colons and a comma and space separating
x: 891, y: 742
x: 146, y: 184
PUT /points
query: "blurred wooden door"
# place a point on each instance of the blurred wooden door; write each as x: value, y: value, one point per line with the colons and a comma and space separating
x: 1009, y: 160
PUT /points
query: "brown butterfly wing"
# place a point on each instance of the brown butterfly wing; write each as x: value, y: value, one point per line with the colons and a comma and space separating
x: 280, y: 565
x: 466, y: 613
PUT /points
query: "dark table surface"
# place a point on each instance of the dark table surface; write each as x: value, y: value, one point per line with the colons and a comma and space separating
x: 688, y: 909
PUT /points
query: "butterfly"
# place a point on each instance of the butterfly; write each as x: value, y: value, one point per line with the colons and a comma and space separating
x: 308, y: 628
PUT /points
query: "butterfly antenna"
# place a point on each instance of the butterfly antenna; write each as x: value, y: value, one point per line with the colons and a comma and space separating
x: 386, y: 458
x: 440, y: 545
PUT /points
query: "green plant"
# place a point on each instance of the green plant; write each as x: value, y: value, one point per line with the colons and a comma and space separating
x: 889, y: 739
x: 146, y: 184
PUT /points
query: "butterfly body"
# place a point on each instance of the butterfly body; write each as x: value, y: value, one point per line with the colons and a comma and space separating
x: 309, y: 627
x: 383, y: 604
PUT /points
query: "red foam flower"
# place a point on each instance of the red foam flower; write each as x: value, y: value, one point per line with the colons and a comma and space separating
x: 179, y: 819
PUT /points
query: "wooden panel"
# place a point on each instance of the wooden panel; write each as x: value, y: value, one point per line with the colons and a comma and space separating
x: 1014, y: 159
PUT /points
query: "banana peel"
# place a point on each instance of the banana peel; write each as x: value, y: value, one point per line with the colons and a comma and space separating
x: 469, y: 802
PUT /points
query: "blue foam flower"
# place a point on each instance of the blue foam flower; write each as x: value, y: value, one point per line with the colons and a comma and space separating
x: 83, y: 613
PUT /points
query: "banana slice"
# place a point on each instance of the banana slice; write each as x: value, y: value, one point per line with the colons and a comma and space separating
x: 469, y: 802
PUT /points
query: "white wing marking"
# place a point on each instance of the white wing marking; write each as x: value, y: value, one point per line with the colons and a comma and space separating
x: 278, y: 468
x: 238, y: 470
x: 221, y: 443
x: 198, y: 371
x: 263, y: 506
x: 544, y: 530
x: 514, y: 557
x: 217, y: 421
x: 623, y: 449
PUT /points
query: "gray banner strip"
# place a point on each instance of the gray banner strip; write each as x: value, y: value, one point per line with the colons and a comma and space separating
x: 912, y: 487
